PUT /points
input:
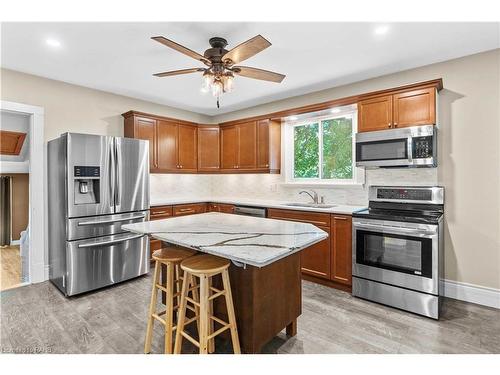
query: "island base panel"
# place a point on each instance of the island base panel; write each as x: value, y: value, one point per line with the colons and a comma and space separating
x: 266, y: 301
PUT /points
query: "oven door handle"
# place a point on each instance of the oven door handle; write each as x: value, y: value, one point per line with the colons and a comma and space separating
x: 386, y: 228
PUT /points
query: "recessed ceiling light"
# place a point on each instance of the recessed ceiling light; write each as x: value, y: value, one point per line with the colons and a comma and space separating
x: 335, y: 110
x: 293, y: 118
x: 381, y: 30
x: 53, y: 42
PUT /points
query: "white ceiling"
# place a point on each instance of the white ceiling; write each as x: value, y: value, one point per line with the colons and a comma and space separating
x: 121, y: 57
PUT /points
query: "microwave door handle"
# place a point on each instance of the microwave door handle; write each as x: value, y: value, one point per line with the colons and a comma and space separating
x: 409, y: 143
x: 110, y: 242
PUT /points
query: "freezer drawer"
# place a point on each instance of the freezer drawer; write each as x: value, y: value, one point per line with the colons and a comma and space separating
x: 105, y: 225
x: 98, y: 262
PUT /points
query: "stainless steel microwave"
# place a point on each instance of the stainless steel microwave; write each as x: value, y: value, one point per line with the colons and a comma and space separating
x: 406, y: 147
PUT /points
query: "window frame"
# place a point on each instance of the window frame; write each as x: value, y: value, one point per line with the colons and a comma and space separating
x: 358, y: 175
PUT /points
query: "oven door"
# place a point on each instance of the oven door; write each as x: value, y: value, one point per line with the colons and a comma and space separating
x: 400, y: 254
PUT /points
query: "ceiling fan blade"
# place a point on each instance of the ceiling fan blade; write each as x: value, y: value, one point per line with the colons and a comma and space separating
x: 178, y: 72
x: 256, y: 73
x: 246, y: 50
x: 181, y: 49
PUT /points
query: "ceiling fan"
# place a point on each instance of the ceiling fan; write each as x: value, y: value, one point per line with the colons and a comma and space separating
x: 218, y: 75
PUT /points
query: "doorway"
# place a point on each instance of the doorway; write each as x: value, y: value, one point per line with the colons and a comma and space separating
x: 14, y: 213
x: 22, y: 196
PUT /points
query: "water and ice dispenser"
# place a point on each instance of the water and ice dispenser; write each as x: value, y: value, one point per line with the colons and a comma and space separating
x: 86, y: 184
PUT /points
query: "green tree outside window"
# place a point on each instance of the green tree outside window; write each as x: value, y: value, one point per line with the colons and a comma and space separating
x: 336, y: 149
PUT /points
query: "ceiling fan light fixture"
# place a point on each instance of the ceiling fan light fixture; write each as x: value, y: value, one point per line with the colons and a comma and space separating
x: 217, y: 88
x: 208, y: 79
x: 228, y: 81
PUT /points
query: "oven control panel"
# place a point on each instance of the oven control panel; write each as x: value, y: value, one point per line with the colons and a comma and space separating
x: 405, y: 194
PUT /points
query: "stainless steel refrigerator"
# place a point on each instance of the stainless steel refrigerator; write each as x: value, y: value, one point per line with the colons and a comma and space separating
x: 95, y: 185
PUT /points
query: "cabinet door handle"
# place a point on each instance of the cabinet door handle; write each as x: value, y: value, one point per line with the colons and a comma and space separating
x: 339, y: 218
x: 389, y: 125
x: 159, y: 212
x: 186, y: 210
x: 395, y: 124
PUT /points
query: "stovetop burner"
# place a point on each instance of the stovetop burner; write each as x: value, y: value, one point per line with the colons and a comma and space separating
x: 423, y: 205
x: 400, y: 215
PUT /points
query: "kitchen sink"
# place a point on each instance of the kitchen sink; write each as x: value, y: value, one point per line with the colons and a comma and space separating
x: 313, y: 205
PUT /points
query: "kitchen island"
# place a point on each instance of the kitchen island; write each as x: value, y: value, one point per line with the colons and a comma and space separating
x: 265, y: 270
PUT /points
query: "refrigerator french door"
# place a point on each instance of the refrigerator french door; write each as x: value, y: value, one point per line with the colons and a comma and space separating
x: 96, y: 184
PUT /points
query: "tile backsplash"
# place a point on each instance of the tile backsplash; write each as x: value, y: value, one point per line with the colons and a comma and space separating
x: 267, y: 186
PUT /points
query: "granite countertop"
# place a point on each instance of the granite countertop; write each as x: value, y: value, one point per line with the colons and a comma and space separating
x: 338, y: 209
x: 249, y: 240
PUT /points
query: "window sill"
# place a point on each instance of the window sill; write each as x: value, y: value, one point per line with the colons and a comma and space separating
x: 323, y: 184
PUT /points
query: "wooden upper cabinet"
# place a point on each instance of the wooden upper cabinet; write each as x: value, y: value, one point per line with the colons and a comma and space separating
x: 187, y: 148
x: 247, y: 142
x: 229, y: 136
x: 263, y: 146
x: 11, y: 142
x: 398, y: 109
x: 375, y: 114
x: 208, y: 148
x: 143, y: 128
x: 416, y: 107
x: 167, y: 146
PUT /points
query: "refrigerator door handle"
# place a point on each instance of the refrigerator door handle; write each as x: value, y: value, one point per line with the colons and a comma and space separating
x: 117, y: 167
x: 112, y: 172
x: 83, y: 223
x: 110, y: 242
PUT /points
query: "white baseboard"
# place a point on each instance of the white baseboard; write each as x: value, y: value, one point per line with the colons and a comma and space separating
x: 472, y: 293
x: 15, y: 242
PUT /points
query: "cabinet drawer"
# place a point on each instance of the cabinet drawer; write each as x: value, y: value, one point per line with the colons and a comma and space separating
x: 189, y: 209
x: 160, y: 212
x: 315, y: 218
x: 221, y: 207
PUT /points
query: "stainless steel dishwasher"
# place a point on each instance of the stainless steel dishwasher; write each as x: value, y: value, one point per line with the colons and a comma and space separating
x: 250, y: 211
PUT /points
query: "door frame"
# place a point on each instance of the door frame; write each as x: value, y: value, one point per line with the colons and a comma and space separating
x: 38, y: 267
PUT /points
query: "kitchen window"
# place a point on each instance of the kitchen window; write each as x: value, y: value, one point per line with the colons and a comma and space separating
x: 320, y: 148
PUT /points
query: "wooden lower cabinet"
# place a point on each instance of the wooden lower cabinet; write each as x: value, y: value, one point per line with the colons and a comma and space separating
x: 221, y: 207
x: 315, y: 260
x: 341, y: 244
x: 189, y: 209
x: 330, y: 259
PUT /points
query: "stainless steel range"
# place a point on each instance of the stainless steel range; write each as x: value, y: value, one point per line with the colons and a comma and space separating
x: 397, y: 247
x: 96, y: 184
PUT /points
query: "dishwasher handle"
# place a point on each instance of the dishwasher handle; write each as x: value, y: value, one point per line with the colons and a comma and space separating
x: 250, y: 211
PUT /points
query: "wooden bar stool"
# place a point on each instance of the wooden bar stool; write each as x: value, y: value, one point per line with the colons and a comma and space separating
x: 171, y: 257
x: 205, y: 267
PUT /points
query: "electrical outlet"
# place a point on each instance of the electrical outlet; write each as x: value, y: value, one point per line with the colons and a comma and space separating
x: 273, y: 188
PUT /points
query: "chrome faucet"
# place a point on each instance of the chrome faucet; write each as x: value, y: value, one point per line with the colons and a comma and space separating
x: 313, y: 197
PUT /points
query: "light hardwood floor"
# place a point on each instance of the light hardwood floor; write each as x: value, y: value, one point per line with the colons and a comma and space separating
x: 37, y: 318
x: 10, y: 267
